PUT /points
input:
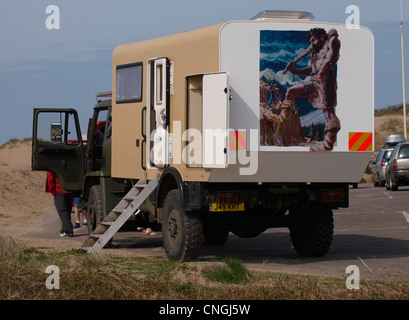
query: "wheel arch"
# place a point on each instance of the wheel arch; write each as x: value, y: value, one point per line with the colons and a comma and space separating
x: 170, y: 179
x: 89, y: 182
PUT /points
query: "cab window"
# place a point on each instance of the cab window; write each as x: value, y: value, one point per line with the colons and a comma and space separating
x: 57, y: 127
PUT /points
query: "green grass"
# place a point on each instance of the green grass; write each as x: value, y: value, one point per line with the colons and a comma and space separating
x: 235, y: 272
x: 89, y: 277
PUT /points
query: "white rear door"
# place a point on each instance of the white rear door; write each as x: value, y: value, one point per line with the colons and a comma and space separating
x: 158, y: 97
x: 215, y: 125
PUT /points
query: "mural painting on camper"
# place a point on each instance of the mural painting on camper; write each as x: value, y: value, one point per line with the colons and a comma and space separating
x: 298, y: 88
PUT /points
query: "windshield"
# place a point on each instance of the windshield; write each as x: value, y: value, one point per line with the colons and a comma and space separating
x: 387, y: 155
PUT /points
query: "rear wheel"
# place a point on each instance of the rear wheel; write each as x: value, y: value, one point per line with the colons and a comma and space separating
x: 392, y: 185
x: 387, y: 186
x: 182, y: 232
x: 311, y: 232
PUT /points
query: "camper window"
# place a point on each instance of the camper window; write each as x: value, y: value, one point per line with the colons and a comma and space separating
x: 129, y: 83
x: 159, y: 84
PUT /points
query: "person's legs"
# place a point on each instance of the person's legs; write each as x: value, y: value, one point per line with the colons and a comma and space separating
x: 77, y: 212
x: 296, y: 91
x: 77, y: 217
x: 84, y: 218
x: 63, y: 204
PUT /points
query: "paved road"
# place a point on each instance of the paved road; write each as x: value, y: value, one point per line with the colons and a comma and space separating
x: 372, y: 234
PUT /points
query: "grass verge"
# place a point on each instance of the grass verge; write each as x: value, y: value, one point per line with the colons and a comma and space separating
x: 87, y: 277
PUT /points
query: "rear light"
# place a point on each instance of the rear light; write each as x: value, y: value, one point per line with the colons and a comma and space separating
x: 332, y: 195
x: 383, y: 164
x: 395, y: 166
x: 228, y: 197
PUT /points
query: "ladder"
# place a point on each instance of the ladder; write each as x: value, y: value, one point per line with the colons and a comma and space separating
x: 119, y: 215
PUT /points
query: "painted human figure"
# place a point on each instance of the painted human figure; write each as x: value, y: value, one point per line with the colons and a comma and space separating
x: 321, y: 90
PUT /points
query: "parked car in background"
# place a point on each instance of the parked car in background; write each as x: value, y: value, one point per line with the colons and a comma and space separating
x: 382, y: 159
x: 397, y: 169
x: 378, y: 171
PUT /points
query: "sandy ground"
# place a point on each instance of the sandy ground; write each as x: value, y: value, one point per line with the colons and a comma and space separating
x: 24, y: 204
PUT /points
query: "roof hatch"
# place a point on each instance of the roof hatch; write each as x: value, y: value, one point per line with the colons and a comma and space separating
x: 283, y: 14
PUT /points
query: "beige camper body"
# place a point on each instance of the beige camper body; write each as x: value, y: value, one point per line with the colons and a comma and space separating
x: 191, y: 53
x: 236, y: 49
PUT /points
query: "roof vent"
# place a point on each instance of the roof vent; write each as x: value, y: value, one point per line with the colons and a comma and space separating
x: 283, y: 14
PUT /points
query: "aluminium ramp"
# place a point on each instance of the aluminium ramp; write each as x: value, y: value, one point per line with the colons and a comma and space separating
x: 119, y: 215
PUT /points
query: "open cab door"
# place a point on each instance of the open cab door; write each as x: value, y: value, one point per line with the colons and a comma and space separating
x: 57, y: 146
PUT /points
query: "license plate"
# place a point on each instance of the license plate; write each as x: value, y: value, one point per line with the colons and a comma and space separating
x: 219, y: 207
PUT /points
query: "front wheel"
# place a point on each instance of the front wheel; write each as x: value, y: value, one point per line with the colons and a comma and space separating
x: 182, y: 232
x: 311, y: 232
x: 95, y: 210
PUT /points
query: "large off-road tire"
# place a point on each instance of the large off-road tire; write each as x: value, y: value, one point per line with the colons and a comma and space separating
x: 182, y: 232
x: 311, y: 232
x: 95, y: 210
x: 95, y: 213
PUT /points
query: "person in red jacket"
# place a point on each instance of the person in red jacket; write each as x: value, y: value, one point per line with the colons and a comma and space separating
x: 63, y: 204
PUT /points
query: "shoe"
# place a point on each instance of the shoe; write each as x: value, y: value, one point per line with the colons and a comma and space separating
x: 63, y: 235
x: 77, y: 225
x: 85, y: 223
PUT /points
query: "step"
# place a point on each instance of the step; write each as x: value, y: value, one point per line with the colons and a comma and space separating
x: 117, y: 217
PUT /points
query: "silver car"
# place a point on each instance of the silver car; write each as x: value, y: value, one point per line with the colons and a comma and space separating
x: 378, y: 170
x: 397, y: 170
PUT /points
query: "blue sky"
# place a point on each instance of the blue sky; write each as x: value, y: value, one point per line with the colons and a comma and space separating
x: 66, y: 67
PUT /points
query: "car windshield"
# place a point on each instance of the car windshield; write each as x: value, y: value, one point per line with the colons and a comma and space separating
x: 387, y: 155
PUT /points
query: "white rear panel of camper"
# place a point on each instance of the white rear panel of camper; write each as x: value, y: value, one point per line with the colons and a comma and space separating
x: 255, y: 53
